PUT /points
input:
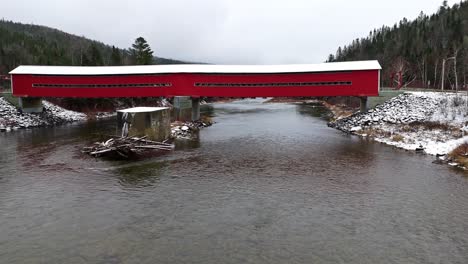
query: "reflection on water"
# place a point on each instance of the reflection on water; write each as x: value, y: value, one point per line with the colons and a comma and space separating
x: 268, y: 183
x: 142, y: 175
x: 312, y: 109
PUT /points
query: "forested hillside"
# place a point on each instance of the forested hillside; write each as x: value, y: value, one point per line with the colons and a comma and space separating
x: 419, y: 53
x: 24, y: 44
x: 40, y: 45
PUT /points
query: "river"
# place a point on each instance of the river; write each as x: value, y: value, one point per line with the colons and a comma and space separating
x: 268, y: 183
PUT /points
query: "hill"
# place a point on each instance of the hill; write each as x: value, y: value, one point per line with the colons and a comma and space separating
x: 413, y: 53
x: 40, y: 45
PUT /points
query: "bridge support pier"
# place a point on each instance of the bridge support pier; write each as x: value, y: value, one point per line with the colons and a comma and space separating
x: 364, y: 102
x: 31, y: 104
x: 186, y: 108
x: 153, y: 122
x: 195, y: 109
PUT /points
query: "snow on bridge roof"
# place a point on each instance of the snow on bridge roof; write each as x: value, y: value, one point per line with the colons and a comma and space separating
x: 197, y: 68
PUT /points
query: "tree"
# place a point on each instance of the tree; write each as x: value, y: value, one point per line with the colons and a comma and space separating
x: 141, y: 52
x: 339, y: 53
x: 444, y: 7
x: 116, y: 57
x: 413, y: 52
x: 401, y: 74
x: 92, y: 57
x: 95, y: 55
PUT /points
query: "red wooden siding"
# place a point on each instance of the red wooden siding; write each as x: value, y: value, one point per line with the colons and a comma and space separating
x: 350, y: 83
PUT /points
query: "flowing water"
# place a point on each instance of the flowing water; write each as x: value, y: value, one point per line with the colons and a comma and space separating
x: 268, y: 183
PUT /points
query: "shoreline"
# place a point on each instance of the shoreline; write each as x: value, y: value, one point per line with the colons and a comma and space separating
x: 189, y: 130
x: 13, y: 119
x: 427, y: 122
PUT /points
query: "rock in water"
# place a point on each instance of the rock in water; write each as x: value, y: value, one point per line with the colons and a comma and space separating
x: 420, y: 148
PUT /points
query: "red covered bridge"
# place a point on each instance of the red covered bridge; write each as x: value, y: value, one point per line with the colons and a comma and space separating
x: 327, y: 79
x: 361, y: 78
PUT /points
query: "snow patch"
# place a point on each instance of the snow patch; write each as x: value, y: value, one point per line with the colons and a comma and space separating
x: 401, y: 121
x: 13, y: 119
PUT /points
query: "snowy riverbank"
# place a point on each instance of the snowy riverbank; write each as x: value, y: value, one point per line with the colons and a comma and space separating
x: 189, y: 130
x: 434, y: 123
x: 12, y: 119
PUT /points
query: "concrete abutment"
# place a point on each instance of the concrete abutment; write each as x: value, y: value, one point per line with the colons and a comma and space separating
x: 31, y: 104
x: 364, y: 103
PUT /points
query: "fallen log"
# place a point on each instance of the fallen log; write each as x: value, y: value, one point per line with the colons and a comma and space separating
x: 152, y: 142
x: 125, y: 147
x: 152, y: 147
x: 99, y: 152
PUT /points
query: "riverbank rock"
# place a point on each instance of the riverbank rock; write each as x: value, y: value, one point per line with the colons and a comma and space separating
x: 188, y: 130
x: 403, y: 109
x: 433, y: 122
x: 11, y: 118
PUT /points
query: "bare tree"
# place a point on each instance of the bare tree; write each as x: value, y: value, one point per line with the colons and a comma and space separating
x: 402, y: 73
x: 444, y: 61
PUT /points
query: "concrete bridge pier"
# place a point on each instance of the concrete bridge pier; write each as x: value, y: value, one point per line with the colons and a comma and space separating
x: 186, y: 108
x: 31, y: 104
x: 195, y: 108
x: 364, y: 102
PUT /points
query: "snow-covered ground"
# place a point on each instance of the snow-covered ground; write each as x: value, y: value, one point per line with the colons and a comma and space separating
x: 63, y: 114
x: 435, y: 123
x: 188, y: 130
x: 11, y: 118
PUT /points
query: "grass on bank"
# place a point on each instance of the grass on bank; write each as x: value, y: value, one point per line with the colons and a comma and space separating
x: 460, y: 155
x: 398, y: 138
x: 207, y: 120
x: 432, y: 125
x: 371, y: 132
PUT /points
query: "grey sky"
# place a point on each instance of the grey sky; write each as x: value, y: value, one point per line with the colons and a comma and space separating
x: 222, y: 31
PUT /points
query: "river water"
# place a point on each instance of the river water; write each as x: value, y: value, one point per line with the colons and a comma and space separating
x: 268, y: 183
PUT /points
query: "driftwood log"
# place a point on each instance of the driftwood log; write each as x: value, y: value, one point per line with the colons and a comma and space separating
x: 125, y: 147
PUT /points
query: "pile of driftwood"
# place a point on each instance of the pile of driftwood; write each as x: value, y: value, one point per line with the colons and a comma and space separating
x: 126, y: 147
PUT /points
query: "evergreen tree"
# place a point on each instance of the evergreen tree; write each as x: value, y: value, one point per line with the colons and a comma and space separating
x: 86, y: 60
x: 116, y: 58
x: 95, y: 56
x: 39, y: 45
x: 141, y: 52
x: 417, y: 49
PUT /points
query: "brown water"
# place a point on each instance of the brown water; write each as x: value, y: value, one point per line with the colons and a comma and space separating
x: 269, y: 183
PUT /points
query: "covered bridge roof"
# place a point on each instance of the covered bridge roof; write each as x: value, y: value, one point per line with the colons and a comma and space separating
x: 197, y: 68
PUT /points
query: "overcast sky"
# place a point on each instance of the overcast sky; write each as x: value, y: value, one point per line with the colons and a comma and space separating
x: 222, y: 31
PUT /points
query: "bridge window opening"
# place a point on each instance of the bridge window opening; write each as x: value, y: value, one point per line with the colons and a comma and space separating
x: 125, y: 85
x: 340, y: 83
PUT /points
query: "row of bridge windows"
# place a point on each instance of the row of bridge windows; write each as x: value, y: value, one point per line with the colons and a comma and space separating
x: 273, y: 84
x: 126, y: 85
